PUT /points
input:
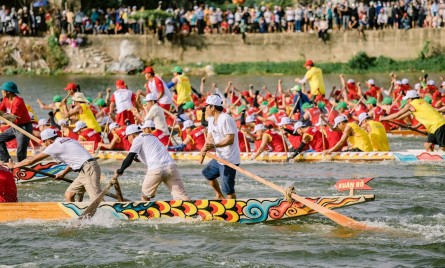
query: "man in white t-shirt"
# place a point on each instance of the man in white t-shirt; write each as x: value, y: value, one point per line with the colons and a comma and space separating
x: 160, y: 166
x: 155, y: 113
x: 72, y: 153
x: 222, y: 135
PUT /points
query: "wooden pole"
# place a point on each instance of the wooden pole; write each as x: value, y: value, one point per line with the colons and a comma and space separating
x: 21, y: 130
x: 334, y: 216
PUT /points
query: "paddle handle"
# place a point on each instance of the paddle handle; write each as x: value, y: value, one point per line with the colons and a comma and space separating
x: 334, y: 216
x: 408, y: 127
x: 21, y: 130
x: 70, y: 181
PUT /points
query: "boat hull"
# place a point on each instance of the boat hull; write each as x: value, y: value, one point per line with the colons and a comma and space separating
x: 230, y: 210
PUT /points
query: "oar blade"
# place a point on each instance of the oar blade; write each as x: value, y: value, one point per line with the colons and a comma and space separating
x: 91, y: 209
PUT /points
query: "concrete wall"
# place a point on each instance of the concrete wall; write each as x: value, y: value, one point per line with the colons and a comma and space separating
x: 396, y: 44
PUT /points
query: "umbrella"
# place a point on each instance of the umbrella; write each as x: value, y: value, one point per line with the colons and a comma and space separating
x: 40, y: 3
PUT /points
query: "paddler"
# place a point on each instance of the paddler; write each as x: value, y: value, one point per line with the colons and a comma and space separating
x: 358, y: 138
x: 13, y: 108
x: 270, y: 140
x: 124, y: 100
x: 221, y: 136
x: 310, y: 136
x: 82, y: 110
x: 160, y: 166
x: 72, y: 153
x: 377, y: 133
x: 424, y: 114
x: 8, y: 188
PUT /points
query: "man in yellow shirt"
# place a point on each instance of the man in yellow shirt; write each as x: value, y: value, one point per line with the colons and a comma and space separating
x: 425, y: 114
x: 314, y: 76
x: 377, y: 132
x: 357, y: 138
x: 183, y: 88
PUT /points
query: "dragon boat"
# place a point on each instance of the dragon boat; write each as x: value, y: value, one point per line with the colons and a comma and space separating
x: 231, y: 210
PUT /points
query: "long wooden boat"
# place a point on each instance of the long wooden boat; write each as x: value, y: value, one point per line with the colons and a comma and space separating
x: 230, y: 210
x: 51, y: 167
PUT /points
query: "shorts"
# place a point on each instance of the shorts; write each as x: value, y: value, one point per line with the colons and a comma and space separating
x: 168, y: 175
x: 431, y: 138
x: 440, y: 136
x: 87, y: 181
x: 213, y: 170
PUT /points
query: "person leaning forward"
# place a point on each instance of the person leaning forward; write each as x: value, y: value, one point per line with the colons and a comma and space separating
x: 222, y: 135
x: 13, y: 108
x: 72, y: 153
x: 425, y: 114
x: 160, y: 166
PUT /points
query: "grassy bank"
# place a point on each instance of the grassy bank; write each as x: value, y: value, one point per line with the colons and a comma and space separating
x: 360, y: 64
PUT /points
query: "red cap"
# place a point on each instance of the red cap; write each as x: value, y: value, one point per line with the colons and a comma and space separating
x: 268, y: 95
x: 148, y: 69
x: 319, y: 98
x: 309, y: 63
x: 120, y: 84
x: 71, y: 86
x: 245, y: 93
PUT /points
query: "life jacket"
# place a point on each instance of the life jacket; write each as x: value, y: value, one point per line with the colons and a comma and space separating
x: 317, y: 141
x: 276, y: 141
x: 164, y: 138
x: 90, y: 134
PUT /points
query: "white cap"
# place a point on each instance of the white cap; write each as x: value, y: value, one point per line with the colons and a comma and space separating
x: 398, y: 82
x: 405, y: 81
x: 131, y: 129
x: 151, y: 97
x: 297, y: 125
x: 105, y: 120
x: 284, y: 121
x: 320, y: 122
x: 371, y: 82
x: 113, y: 126
x: 186, y: 124
x: 62, y: 122
x: 214, y: 100
x: 339, y: 119
x: 411, y: 94
x: 250, y: 119
x: 430, y: 83
x: 183, y: 118
x: 148, y: 124
x: 350, y: 81
x: 43, y: 122
x: 48, y: 134
x: 259, y: 127
x: 417, y: 86
x: 362, y: 117
x: 79, y: 126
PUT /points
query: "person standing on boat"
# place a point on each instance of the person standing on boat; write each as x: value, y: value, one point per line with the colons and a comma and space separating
x: 72, y: 153
x: 13, y: 108
x: 160, y: 166
x: 425, y: 114
x: 156, y: 85
x: 124, y: 100
x: 222, y: 136
x: 183, y: 88
x: 314, y: 76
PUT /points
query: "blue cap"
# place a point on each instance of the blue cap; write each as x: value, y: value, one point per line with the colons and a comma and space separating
x: 10, y: 87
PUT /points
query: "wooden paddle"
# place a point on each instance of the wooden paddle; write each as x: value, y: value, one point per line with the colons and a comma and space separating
x: 335, y: 216
x: 70, y: 181
x: 92, y: 208
x: 21, y: 130
x: 408, y: 127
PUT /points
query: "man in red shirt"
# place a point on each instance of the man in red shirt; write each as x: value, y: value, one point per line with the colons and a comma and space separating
x: 13, y: 108
x: 8, y: 189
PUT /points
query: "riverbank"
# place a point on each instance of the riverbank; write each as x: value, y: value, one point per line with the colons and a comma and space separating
x: 380, y: 52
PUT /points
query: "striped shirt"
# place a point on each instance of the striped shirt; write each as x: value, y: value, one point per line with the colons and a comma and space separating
x: 151, y: 152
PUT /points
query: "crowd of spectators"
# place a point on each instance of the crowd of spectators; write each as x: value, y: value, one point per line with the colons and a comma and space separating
x: 330, y: 16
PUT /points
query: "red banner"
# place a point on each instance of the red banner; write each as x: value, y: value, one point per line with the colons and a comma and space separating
x: 356, y: 184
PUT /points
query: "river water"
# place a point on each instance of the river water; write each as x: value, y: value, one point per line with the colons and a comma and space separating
x: 408, y: 205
